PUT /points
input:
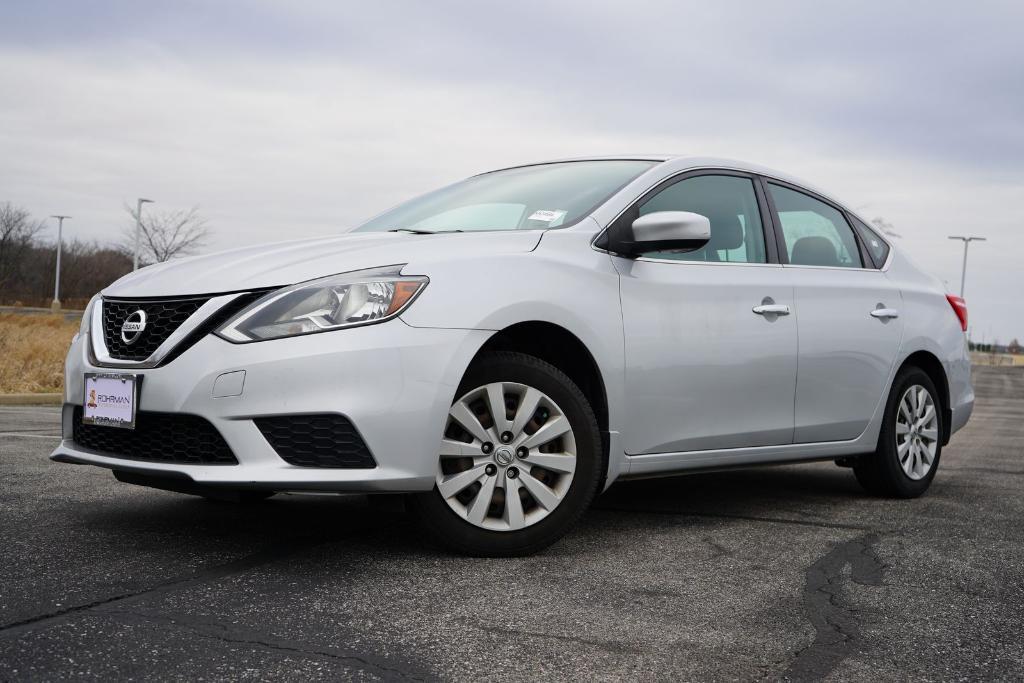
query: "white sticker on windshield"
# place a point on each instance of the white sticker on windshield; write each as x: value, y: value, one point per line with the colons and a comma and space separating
x: 546, y: 216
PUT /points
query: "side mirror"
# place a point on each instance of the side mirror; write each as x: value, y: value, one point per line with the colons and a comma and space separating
x: 666, y: 230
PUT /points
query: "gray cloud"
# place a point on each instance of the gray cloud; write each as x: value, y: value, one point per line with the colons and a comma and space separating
x: 291, y: 120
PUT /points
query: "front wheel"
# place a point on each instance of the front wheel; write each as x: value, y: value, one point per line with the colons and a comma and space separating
x: 910, y: 442
x: 519, y: 462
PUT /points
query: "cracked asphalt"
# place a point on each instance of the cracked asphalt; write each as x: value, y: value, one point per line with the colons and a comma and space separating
x: 779, y: 573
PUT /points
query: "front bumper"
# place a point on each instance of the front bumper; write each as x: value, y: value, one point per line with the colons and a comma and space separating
x: 393, y: 381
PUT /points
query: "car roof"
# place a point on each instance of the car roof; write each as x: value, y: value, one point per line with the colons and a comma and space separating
x: 684, y: 162
x: 681, y: 162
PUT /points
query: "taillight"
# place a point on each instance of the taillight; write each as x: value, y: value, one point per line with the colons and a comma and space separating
x: 960, y: 308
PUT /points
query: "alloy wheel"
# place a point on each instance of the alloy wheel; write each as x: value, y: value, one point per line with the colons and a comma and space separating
x: 507, y: 458
x: 917, y: 432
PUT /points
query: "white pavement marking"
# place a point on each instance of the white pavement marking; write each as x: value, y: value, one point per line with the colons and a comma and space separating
x: 30, y: 436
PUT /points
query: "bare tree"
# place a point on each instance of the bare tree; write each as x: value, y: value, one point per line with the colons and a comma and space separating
x: 87, y: 267
x: 885, y: 226
x: 165, y: 234
x: 18, y: 232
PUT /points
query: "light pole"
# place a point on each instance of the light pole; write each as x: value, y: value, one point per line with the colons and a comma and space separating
x: 60, y: 243
x: 967, y: 241
x: 138, y: 229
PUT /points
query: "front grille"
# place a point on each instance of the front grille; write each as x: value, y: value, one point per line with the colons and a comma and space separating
x: 318, y: 440
x: 157, y: 437
x: 215, y: 320
x: 163, y: 317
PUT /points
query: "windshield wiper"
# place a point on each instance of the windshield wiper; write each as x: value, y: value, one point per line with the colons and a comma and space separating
x: 417, y: 231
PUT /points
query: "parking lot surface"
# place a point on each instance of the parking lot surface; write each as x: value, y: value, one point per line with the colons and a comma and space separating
x: 778, y: 573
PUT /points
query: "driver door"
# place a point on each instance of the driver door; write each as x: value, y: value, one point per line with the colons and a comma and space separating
x: 703, y: 369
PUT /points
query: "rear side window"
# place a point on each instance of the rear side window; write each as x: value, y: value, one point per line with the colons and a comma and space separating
x: 877, y: 247
x: 730, y: 203
x: 814, y: 233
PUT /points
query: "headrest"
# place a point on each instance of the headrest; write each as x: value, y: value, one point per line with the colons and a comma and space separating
x: 726, y: 232
x: 814, y: 251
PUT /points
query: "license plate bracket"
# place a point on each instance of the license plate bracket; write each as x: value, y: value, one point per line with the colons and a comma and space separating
x: 111, y: 399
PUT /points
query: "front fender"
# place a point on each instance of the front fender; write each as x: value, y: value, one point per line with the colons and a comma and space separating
x: 564, y: 282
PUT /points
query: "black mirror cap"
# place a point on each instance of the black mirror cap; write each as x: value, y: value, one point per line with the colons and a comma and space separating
x: 618, y: 239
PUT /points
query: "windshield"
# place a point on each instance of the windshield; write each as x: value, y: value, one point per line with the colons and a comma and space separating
x: 527, y: 198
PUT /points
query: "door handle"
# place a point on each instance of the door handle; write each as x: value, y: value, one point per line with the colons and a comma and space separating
x: 771, y: 309
x: 885, y: 313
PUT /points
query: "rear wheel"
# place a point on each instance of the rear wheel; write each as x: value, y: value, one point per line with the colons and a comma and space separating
x: 910, y: 443
x: 520, y: 459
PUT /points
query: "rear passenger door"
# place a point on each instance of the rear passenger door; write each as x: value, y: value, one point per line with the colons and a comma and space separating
x: 847, y: 315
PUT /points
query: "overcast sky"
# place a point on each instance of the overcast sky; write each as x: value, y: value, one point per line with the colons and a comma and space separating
x: 293, y: 119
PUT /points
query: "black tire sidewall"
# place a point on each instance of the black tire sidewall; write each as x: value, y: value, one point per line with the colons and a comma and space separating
x: 888, y: 464
x: 451, y: 530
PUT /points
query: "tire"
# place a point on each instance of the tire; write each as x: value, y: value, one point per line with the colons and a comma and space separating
x: 479, y: 520
x: 884, y: 472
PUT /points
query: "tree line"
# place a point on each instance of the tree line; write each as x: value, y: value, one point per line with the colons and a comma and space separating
x: 28, y: 259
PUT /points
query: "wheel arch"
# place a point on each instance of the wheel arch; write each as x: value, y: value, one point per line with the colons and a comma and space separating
x: 563, y: 349
x: 929, y: 363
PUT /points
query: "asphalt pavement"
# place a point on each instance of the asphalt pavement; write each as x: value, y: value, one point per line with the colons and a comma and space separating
x: 775, y: 573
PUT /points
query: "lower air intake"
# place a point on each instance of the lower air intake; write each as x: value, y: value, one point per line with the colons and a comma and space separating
x: 318, y: 440
x: 157, y: 437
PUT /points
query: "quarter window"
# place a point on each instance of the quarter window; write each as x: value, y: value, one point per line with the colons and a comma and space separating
x: 877, y: 247
x: 730, y: 203
x: 814, y: 233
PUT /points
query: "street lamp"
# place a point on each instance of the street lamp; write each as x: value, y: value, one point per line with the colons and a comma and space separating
x: 138, y: 229
x: 967, y: 241
x: 60, y: 243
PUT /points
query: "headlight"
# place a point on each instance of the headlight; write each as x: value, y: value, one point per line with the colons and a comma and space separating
x: 331, y: 303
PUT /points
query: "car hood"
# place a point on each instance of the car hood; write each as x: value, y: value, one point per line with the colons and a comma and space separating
x: 285, y: 263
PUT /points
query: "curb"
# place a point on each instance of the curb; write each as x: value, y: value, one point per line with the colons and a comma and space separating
x: 31, y: 399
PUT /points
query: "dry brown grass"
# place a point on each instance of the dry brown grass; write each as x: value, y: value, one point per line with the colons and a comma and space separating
x: 32, y: 350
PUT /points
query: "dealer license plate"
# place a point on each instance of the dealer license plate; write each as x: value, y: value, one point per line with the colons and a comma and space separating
x: 110, y: 399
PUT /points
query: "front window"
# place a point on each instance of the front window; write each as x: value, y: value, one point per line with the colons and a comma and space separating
x: 527, y: 198
x: 730, y: 204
